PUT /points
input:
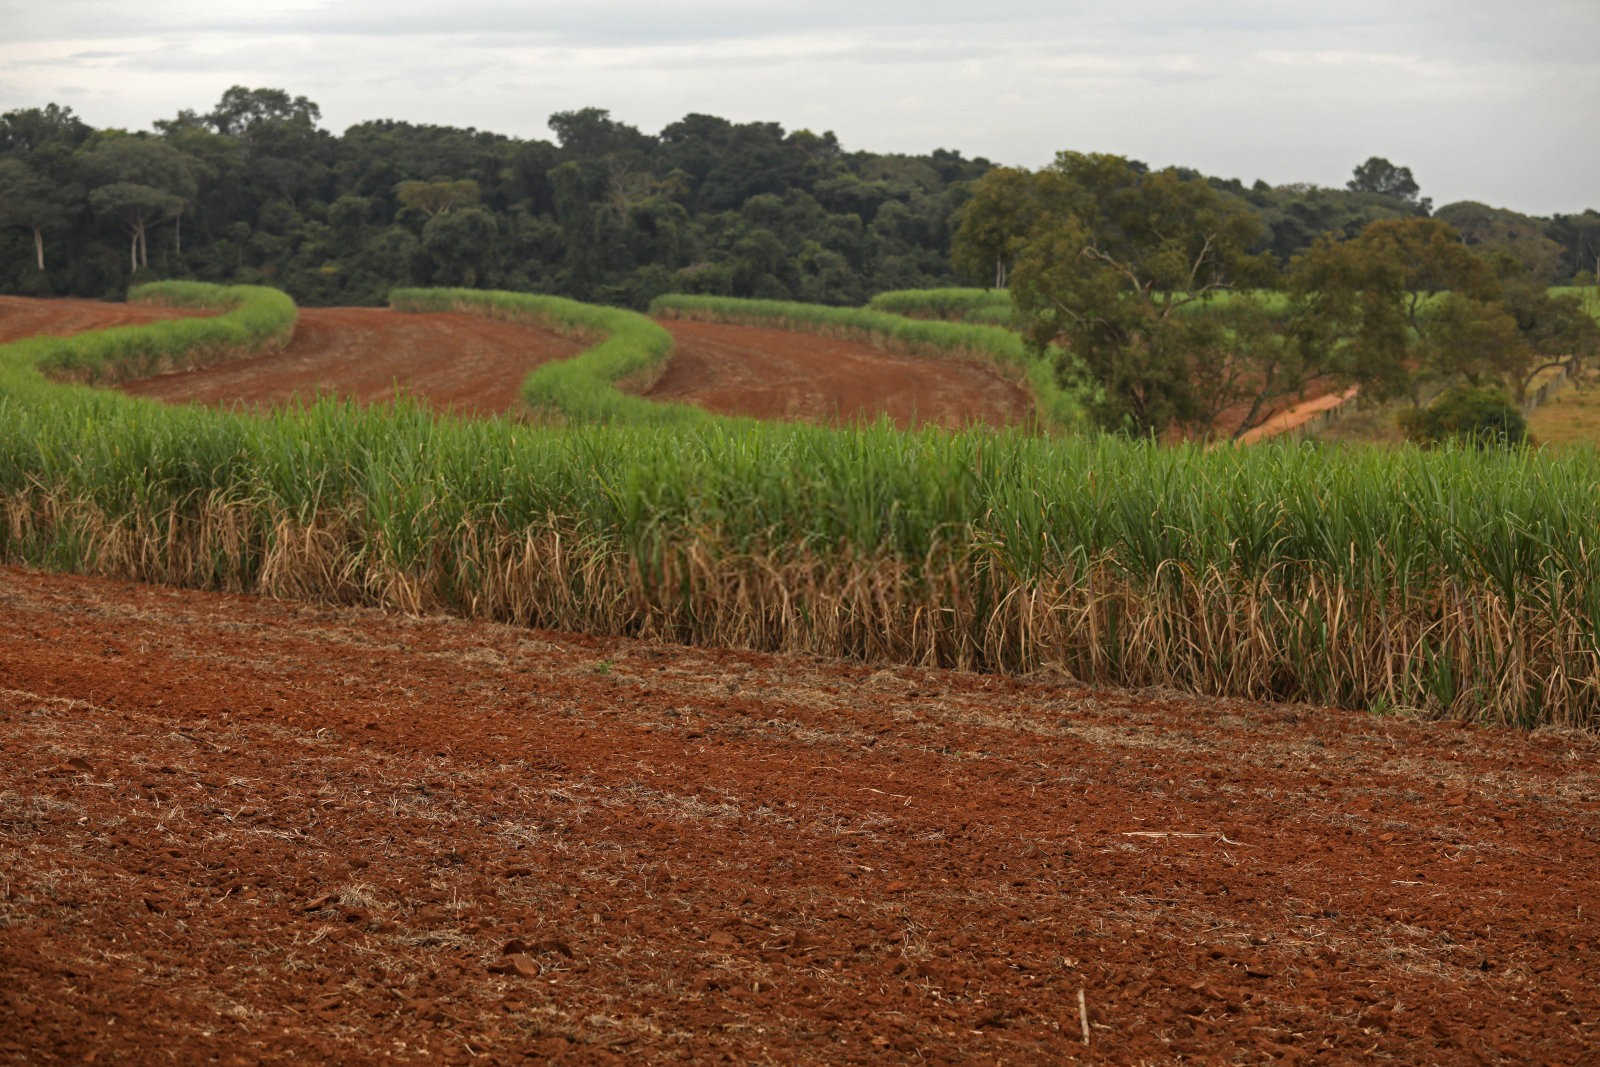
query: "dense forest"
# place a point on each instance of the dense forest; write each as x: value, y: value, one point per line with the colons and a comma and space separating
x: 254, y: 190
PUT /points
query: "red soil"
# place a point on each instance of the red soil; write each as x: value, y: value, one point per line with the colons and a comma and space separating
x: 778, y: 374
x: 456, y: 362
x: 473, y: 365
x: 1298, y: 414
x: 28, y: 317
x: 1286, y: 414
x: 240, y: 831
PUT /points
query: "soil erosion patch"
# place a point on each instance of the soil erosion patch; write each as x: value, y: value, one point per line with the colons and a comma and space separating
x: 781, y: 374
x: 236, y: 830
x: 461, y: 363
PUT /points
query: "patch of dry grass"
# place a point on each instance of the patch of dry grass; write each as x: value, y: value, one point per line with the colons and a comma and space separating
x: 1572, y: 417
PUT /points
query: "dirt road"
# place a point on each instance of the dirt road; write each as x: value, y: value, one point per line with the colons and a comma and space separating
x: 239, y: 831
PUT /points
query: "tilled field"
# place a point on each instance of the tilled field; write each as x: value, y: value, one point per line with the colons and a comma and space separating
x: 234, y: 830
x: 779, y: 374
x: 456, y: 362
x: 473, y: 365
x: 22, y: 316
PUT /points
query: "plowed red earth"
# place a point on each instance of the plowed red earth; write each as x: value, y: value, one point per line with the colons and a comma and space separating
x: 240, y: 831
x: 456, y: 362
x: 778, y: 374
x: 27, y: 317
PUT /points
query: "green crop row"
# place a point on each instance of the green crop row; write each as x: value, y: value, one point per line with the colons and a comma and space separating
x: 253, y: 318
x: 987, y: 306
x: 1057, y: 408
x: 625, y: 349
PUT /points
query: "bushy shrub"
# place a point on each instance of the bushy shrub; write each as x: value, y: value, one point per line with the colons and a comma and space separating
x: 1475, y: 415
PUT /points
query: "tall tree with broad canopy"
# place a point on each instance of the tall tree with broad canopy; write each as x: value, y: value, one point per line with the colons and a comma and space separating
x: 1378, y: 175
x: 437, y: 197
x: 31, y: 201
x: 1124, y: 269
x: 460, y: 245
x: 240, y: 110
x: 28, y: 130
x: 1553, y: 330
x: 139, y: 182
x: 1409, y: 305
x: 994, y: 225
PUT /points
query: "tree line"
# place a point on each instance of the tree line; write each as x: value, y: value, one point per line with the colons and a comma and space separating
x: 255, y: 190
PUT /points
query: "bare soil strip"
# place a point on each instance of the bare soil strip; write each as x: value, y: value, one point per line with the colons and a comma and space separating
x: 779, y: 374
x: 472, y: 365
x: 1297, y: 415
x: 461, y: 363
x: 242, y: 831
x: 22, y: 316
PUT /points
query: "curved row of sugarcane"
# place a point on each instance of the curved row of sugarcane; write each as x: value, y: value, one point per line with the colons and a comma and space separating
x: 631, y: 349
x: 1461, y: 583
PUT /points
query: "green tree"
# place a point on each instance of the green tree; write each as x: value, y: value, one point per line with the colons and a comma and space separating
x: 1415, y: 307
x: 31, y: 201
x: 461, y: 245
x: 1006, y: 205
x: 1579, y: 237
x: 139, y: 182
x: 591, y: 133
x: 1298, y: 213
x: 1378, y: 175
x: 1552, y: 331
x: 240, y: 110
x: 436, y: 197
x: 1498, y: 231
x: 29, y: 130
x: 1121, y: 268
x: 39, y: 187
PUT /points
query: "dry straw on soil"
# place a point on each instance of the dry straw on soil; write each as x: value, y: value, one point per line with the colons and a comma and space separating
x: 1210, y: 631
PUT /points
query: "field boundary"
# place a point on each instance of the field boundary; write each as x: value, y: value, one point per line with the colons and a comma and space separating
x: 626, y: 349
x: 253, y: 318
x: 991, y: 307
x: 1055, y: 408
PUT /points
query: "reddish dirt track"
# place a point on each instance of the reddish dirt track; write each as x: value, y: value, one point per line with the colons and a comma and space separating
x: 777, y: 374
x: 27, y: 317
x: 1298, y: 414
x: 456, y: 362
x: 240, y: 831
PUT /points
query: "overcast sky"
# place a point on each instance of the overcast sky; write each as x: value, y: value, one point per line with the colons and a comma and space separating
x: 1490, y: 101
